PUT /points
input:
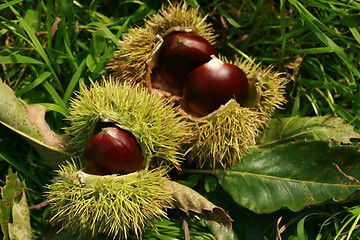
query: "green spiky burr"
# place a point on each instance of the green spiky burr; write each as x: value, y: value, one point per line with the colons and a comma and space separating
x: 112, y: 205
x: 129, y: 62
x: 119, y: 205
x: 266, y: 87
x: 224, y: 136
x: 154, y: 122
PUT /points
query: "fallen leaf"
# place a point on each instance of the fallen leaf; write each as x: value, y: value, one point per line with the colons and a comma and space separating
x: 20, y: 228
x: 188, y: 200
x: 12, y: 190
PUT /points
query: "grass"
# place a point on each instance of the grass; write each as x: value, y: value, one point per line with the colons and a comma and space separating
x: 48, y: 50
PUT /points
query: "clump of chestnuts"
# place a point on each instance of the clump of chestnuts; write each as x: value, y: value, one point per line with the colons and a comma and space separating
x: 173, y: 55
x: 187, y: 66
x: 225, y: 103
x: 180, y: 54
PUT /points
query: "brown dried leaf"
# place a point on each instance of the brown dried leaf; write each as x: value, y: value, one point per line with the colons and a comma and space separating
x: 187, y: 199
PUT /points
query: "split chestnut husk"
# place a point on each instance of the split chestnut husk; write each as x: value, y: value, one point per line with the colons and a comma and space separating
x: 226, y: 103
x: 223, y: 132
x: 152, y: 129
x: 116, y: 206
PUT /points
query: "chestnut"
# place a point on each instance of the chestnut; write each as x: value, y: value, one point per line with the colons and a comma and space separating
x: 180, y: 54
x: 113, y: 151
x: 213, y: 84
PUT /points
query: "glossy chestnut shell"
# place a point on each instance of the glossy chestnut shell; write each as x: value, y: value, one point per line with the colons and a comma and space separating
x: 213, y: 84
x: 180, y: 54
x: 113, y: 151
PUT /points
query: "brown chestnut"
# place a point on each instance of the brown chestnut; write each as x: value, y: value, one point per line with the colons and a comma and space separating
x: 180, y: 54
x: 213, y: 84
x: 113, y: 151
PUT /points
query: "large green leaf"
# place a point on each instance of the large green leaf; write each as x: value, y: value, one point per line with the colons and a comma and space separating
x: 324, y: 128
x: 29, y: 121
x: 292, y: 175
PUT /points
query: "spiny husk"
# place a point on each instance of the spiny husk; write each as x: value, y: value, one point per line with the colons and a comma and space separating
x: 270, y: 86
x: 224, y: 136
x: 220, y: 138
x: 180, y: 15
x: 130, y: 62
x: 154, y: 122
x: 112, y: 205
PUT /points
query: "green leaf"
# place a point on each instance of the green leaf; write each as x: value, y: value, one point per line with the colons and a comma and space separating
x: 221, y: 232
x: 210, y: 183
x: 292, y: 175
x: 12, y: 190
x: 20, y: 228
x: 324, y: 128
x: 97, y: 44
x: 29, y: 121
x: 91, y: 62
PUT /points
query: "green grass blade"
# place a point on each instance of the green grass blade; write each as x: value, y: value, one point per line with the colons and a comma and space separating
x: 282, y: 23
x: 238, y: 50
x: 107, y: 54
x: 354, y: 225
x: 19, y: 59
x: 296, y: 106
x: 316, y: 50
x: 227, y: 16
x: 8, y: 4
x: 312, y: 23
x: 74, y: 80
x: 106, y: 30
x: 37, y: 45
x: 121, y: 30
x: 301, y: 230
x: 355, y: 33
x: 33, y: 84
x: 355, y: 120
x: 51, y: 90
x: 20, y: 167
x: 343, y: 227
x: 55, y: 108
